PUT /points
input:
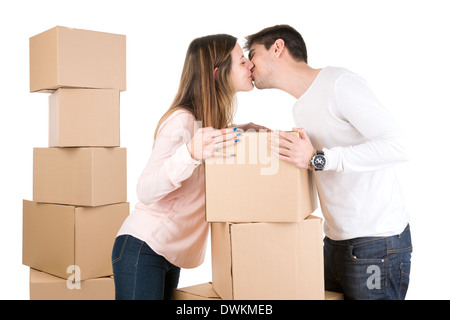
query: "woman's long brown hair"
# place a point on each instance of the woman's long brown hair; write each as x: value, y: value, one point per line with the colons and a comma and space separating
x: 211, y: 99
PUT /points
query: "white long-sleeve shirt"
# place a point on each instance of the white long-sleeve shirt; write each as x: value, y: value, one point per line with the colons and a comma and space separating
x: 359, y: 192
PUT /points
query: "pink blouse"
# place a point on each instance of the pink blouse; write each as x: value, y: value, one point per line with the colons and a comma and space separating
x: 170, y: 214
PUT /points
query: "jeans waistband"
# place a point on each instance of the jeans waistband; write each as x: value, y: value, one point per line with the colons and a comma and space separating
x: 351, y: 242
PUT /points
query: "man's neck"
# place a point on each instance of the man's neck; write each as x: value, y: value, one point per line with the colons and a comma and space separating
x: 297, y: 78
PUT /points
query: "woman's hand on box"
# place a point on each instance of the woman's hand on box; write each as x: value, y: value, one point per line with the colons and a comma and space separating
x: 206, y: 142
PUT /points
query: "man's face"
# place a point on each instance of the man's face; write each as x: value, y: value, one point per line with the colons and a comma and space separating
x: 264, y: 66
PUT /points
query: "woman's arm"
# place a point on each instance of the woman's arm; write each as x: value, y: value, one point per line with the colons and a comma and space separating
x: 177, y: 152
x: 170, y: 163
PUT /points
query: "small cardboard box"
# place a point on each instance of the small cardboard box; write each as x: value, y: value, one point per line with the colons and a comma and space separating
x: 68, y: 241
x: 205, y: 291
x: 80, y: 176
x: 84, y: 118
x: 256, y: 186
x: 66, y: 57
x: 44, y: 286
x: 268, y: 261
x: 202, y: 291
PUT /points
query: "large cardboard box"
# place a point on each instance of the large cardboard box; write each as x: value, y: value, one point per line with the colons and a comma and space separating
x: 44, y: 286
x: 84, y: 118
x: 268, y: 261
x: 66, y: 57
x: 68, y: 241
x: 205, y: 291
x: 80, y: 176
x: 256, y: 186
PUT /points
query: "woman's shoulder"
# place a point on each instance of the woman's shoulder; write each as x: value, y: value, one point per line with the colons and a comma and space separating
x: 179, y: 118
x: 181, y: 114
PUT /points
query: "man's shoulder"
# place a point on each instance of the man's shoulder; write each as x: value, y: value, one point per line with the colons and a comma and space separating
x: 337, y: 72
x: 335, y: 75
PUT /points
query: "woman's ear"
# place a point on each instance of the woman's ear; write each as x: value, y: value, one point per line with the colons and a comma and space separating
x: 215, y: 73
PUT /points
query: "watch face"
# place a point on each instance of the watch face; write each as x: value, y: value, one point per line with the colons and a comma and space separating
x: 319, y: 162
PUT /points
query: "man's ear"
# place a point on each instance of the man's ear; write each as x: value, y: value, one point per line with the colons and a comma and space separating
x: 278, y: 47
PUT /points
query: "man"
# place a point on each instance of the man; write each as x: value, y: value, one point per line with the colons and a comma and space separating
x: 351, y: 144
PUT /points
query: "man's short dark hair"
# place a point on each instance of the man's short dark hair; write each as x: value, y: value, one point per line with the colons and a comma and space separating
x: 293, y: 40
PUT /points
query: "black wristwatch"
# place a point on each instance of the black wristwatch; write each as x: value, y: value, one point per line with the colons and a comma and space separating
x: 318, y: 160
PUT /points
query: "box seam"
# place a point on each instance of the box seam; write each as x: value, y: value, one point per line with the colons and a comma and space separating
x: 92, y: 159
x: 231, y: 261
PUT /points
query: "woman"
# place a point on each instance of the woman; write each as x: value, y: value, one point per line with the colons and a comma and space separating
x: 167, y: 230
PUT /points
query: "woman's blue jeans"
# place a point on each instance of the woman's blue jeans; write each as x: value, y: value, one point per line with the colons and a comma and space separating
x: 371, y: 268
x: 140, y: 273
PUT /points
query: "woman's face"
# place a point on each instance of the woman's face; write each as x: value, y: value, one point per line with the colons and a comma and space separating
x: 240, y: 73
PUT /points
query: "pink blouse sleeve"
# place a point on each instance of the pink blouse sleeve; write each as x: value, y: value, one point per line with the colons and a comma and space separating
x: 170, y: 162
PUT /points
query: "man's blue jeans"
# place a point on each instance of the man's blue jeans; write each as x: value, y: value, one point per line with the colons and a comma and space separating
x: 140, y: 273
x: 371, y: 268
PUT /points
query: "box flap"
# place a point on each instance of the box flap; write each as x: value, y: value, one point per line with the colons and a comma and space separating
x: 204, y: 290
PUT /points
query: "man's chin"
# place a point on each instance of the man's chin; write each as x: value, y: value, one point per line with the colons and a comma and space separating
x: 259, y: 85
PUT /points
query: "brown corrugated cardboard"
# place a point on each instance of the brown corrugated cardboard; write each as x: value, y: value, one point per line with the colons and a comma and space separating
x: 205, y: 291
x: 44, y: 286
x: 66, y: 57
x: 202, y: 291
x: 80, y: 176
x: 256, y: 186
x: 331, y: 295
x: 69, y: 241
x: 84, y: 118
x: 268, y: 260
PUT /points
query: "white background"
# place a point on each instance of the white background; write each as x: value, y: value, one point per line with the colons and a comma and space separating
x: 400, y: 47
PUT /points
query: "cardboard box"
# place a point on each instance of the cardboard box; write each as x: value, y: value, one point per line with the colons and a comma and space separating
x: 256, y: 186
x: 202, y: 291
x: 66, y: 57
x: 80, y: 176
x: 268, y: 261
x: 331, y: 295
x: 68, y: 241
x: 44, y: 286
x: 84, y: 118
x: 205, y: 291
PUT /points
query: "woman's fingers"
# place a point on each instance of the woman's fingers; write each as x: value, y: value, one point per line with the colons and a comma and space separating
x: 213, y: 139
x: 226, y: 138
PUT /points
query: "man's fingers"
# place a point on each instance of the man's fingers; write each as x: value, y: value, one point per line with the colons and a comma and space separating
x: 281, y: 151
x: 285, y: 135
x: 301, y: 132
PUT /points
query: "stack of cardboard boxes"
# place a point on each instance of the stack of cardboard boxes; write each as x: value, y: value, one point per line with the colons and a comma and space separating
x: 265, y: 244
x: 79, y: 181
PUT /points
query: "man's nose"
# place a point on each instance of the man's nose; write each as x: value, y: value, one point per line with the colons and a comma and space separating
x: 251, y: 65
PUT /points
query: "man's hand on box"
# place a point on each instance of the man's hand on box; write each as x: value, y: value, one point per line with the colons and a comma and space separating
x: 295, y: 150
